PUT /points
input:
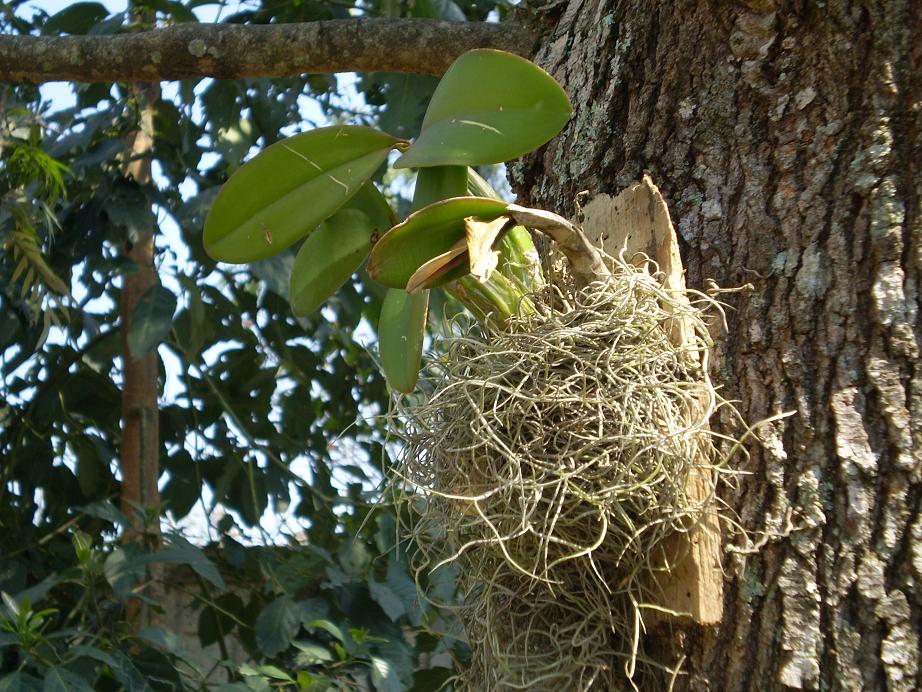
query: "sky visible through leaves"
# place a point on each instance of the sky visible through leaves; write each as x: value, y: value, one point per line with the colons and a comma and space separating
x: 173, y: 256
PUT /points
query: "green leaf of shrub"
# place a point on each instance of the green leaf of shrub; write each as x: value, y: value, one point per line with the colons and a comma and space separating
x: 274, y: 672
x: 313, y: 609
x: 400, y: 337
x: 59, y: 679
x: 127, y: 673
x: 384, y: 676
x: 106, y: 511
x: 310, y: 653
x: 126, y: 565
x: 329, y: 627
x: 277, y: 625
x: 78, y: 18
x: 94, y: 653
x: 490, y: 107
x: 290, y: 188
x: 431, y: 679
x: 182, y: 552
x: 19, y: 682
x: 168, y: 640
x: 182, y: 491
x: 155, y: 667
x: 389, y: 601
x: 151, y: 321
x: 425, y: 234
x: 405, y: 97
x: 124, y: 568
x: 328, y: 258
x: 218, y: 620
x: 398, y: 595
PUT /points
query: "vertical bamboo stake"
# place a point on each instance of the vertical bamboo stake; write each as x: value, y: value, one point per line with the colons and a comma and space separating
x: 140, y: 415
x: 637, y: 222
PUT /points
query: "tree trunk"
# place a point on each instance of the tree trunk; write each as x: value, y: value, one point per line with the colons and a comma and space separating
x: 786, y: 139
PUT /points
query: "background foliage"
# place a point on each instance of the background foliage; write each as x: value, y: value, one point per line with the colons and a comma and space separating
x: 263, y: 415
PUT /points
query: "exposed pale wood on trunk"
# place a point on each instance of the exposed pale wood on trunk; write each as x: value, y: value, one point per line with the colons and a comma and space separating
x: 635, y: 225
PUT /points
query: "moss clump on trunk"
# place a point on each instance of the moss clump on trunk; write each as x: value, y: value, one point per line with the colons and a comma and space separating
x: 553, y: 458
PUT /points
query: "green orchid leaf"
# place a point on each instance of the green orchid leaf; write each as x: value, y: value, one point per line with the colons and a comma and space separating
x: 490, y: 107
x: 329, y: 256
x: 373, y: 204
x: 336, y: 249
x: 290, y: 188
x: 439, y: 182
x: 477, y: 185
x: 400, y: 337
x: 426, y: 234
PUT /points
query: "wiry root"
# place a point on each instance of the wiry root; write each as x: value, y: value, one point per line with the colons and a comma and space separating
x: 553, y: 459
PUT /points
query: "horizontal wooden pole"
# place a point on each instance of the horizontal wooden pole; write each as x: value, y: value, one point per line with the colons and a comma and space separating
x: 232, y: 51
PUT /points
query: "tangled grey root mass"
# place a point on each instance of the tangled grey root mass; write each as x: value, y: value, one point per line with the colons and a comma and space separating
x: 552, y: 458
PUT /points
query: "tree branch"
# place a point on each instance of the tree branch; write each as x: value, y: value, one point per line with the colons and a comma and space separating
x: 231, y: 51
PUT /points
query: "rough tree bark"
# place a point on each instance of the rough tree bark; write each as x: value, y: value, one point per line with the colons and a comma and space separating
x: 786, y: 138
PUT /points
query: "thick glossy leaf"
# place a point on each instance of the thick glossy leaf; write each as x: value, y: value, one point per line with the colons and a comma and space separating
x: 425, y: 234
x: 436, y: 184
x: 328, y: 258
x: 400, y: 337
x: 371, y: 202
x: 490, y: 107
x: 290, y: 188
x: 439, y: 182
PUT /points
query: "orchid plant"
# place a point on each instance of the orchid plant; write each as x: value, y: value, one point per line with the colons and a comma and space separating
x: 316, y: 187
